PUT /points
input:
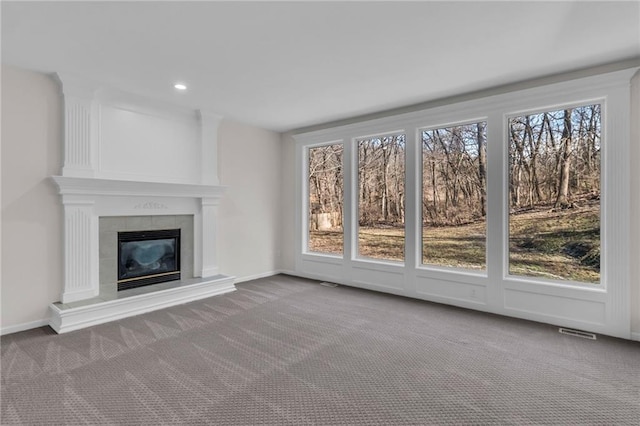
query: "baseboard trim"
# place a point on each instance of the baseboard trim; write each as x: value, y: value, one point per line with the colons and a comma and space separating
x: 635, y: 336
x: 70, y: 319
x: 24, y: 326
x: 263, y: 275
x: 16, y: 328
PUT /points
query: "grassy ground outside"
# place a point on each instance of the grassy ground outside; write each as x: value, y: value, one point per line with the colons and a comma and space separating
x: 558, y: 245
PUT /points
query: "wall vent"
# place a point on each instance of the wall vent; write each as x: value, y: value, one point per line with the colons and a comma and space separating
x: 577, y: 333
x: 326, y: 284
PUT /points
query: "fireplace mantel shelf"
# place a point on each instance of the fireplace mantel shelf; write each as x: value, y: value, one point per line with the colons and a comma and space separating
x: 87, y: 199
x: 126, y: 188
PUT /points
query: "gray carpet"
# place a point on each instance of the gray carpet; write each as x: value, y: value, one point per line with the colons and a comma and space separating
x: 285, y: 350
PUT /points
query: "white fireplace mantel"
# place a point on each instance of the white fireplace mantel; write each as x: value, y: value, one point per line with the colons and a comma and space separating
x: 85, y: 200
x: 125, y: 188
x: 126, y: 155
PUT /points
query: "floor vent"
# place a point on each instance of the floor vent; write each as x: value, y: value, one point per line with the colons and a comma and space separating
x: 577, y: 333
x: 326, y: 284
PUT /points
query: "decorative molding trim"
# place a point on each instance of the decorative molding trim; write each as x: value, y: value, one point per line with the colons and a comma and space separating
x: 127, y: 101
x: 65, y: 320
x: 24, y: 326
x: 125, y: 188
x: 78, y: 132
x: 75, y: 86
x: 151, y: 205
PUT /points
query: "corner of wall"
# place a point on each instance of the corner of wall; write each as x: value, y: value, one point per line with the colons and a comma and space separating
x: 287, y: 203
x: 635, y: 207
x: 250, y: 163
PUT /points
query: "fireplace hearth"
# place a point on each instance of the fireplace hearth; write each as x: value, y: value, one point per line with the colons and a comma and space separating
x: 148, y: 257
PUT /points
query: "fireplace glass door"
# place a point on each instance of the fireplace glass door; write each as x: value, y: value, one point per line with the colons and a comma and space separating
x: 148, y: 257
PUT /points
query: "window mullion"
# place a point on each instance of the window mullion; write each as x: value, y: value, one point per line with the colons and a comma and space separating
x: 413, y: 230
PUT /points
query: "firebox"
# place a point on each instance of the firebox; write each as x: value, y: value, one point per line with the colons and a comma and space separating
x: 148, y: 257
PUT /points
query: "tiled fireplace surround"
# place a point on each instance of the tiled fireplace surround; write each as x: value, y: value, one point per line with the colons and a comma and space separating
x: 108, y: 246
x: 174, y: 185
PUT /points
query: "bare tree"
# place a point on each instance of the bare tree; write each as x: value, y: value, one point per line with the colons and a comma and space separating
x: 482, y: 166
x: 565, y: 162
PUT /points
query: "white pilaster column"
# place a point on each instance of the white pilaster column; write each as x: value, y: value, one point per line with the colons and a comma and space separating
x: 209, y: 252
x: 80, y: 127
x: 81, y: 279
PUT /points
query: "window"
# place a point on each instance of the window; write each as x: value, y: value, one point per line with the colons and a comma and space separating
x: 326, y: 199
x: 517, y: 203
x: 554, y: 194
x: 454, y: 201
x: 381, y: 166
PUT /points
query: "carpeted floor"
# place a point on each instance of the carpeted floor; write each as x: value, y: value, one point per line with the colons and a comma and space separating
x: 285, y: 350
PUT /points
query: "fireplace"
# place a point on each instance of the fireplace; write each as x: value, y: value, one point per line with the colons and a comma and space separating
x: 105, y: 193
x: 148, y: 257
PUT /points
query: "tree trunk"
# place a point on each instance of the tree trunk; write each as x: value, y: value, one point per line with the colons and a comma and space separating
x: 434, y: 187
x: 362, y: 171
x: 385, y: 184
x: 482, y: 168
x: 562, y: 200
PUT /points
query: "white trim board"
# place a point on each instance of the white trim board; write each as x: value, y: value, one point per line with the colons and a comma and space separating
x: 70, y: 319
x: 258, y: 276
x: 44, y: 322
x: 10, y: 329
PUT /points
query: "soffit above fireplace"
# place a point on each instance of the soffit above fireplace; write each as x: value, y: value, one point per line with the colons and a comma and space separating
x: 110, y: 134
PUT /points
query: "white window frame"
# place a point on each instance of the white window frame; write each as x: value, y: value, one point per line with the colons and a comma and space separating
x: 602, y: 308
x: 355, y: 252
x: 603, y: 194
x: 305, y: 207
x: 426, y: 266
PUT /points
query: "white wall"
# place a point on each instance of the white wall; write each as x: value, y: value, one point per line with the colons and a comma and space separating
x: 249, y: 164
x: 31, y: 210
x: 160, y: 147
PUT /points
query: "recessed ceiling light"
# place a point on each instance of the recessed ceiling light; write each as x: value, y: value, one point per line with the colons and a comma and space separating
x: 180, y: 86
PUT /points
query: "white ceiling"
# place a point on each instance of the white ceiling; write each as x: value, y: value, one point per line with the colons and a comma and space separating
x: 286, y: 65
